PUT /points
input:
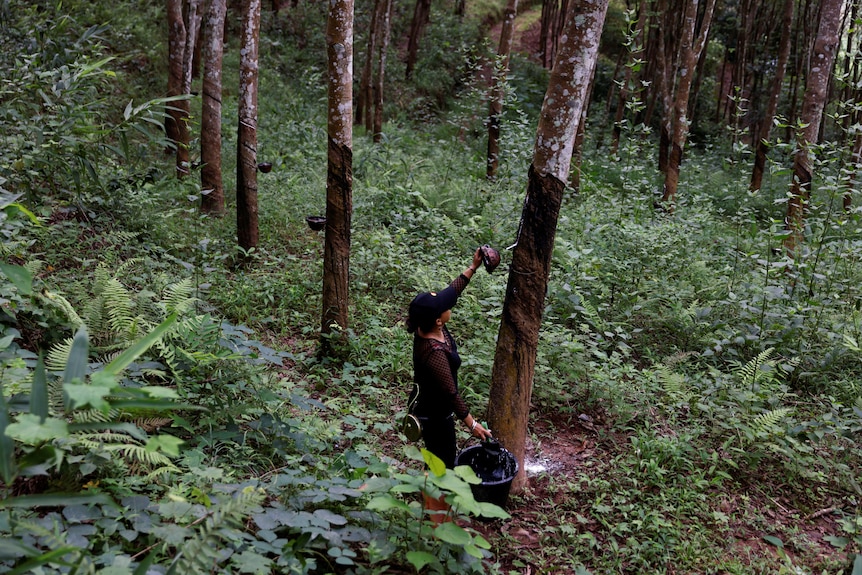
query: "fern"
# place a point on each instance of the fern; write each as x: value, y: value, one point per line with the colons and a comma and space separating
x: 752, y: 373
x: 201, y: 553
x: 766, y: 424
x: 178, y: 297
x: 673, y: 383
x: 66, y: 307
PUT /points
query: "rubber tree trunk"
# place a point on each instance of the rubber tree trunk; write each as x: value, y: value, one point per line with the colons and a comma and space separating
x: 246, y: 150
x: 816, y: 92
x: 498, y: 88
x: 421, y: 17
x: 364, y: 100
x: 515, y: 355
x: 176, y: 128
x: 212, y: 186
x: 339, y: 175
x: 690, y: 50
x: 386, y: 29
x: 762, y: 146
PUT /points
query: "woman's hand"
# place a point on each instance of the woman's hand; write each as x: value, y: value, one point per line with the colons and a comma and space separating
x: 477, y: 259
x: 480, y: 432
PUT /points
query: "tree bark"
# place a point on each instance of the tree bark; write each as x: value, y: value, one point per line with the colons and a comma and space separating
x: 498, y: 88
x: 421, y: 17
x: 176, y: 128
x: 762, y: 145
x: 184, y: 137
x: 690, y: 50
x: 515, y: 356
x: 246, y: 161
x: 212, y: 186
x: 339, y: 179
x: 822, y: 60
x: 386, y: 25
x: 364, y: 100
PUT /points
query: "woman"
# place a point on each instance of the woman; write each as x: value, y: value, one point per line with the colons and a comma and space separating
x: 435, y: 368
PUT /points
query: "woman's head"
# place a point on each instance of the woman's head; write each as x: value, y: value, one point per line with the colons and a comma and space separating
x: 427, y: 307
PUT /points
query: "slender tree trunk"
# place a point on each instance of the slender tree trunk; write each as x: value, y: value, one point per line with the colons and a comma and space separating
x: 690, y: 50
x: 175, y: 125
x: 364, y: 100
x: 421, y: 17
x: 184, y: 142
x: 822, y: 60
x: 498, y: 89
x: 762, y: 145
x: 246, y: 160
x: 212, y: 186
x: 386, y: 25
x: 339, y: 178
x: 515, y: 356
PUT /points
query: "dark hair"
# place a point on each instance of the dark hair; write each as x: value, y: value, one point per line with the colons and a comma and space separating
x: 422, y: 321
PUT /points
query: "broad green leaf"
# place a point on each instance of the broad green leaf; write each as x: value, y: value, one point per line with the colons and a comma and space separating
x: 56, y: 500
x: 330, y: 517
x: 13, y: 548
x: 772, y: 540
x: 20, y: 277
x: 123, y: 360
x: 473, y: 550
x: 160, y: 391
x: 82, y: 394
x: 39, y: 391
x: 434, y: 463
x: 451, y: 533
x: 420, y: 559
x: 165, y: 443
x: 53, y: 556
x: 76, y: 365
x: 857, y: 565
x: 466, y: 473
x: 28, y: 429
x: 5, y: 342
x: 23, y: 209
x: 8, y: 470
x: 492, y: 511
x: 386, y: 503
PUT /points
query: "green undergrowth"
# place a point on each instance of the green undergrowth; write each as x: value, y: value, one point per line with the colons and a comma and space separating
x: 165, y: 409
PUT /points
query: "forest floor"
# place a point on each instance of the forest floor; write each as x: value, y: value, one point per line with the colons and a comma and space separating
x: 563, y: 448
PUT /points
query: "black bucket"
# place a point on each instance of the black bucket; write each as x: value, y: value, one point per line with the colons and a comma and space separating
x: 495, y: 466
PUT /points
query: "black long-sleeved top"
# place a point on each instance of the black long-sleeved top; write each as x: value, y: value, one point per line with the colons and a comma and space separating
x: 435, y: 371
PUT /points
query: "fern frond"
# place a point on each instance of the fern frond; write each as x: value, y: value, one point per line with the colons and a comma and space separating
x: 141, y: 454
x: 150, y: 424
x: 58, y: 355
x: 767, y: 423
x: 65, y: 307
x: 161, y: 471
x: 118, y: 304
x: 673, y: 383
x: 200, y: 553
x: 95, y: 416
x: 178, y: 297
x: 750, y: 373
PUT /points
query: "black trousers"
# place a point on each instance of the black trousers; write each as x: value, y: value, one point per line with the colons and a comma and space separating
x: 439, y: 436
